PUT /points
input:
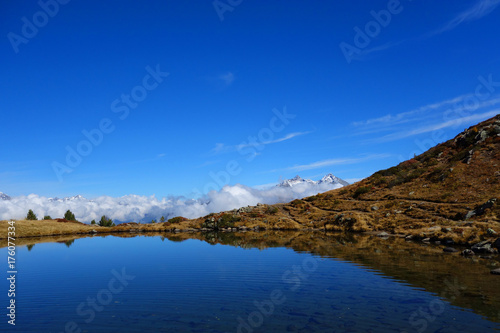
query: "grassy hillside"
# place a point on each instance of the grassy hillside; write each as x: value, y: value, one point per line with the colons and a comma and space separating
x: 449, y: 191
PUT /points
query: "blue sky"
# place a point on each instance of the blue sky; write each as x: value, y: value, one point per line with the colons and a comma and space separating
x: 181, y: 97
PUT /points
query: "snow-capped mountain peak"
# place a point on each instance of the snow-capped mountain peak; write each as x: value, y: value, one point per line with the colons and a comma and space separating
x: 327, y: 179
x: 4, y: 196
x: 66, y: 199
x: 294, y: 181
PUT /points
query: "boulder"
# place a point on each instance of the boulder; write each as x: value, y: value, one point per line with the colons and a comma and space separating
x: 496, y: 271
x: 484, y: 247
x: 467, y: 253
x: 491, y: 232
x: 496, y: 244
x: 480, y: 209
x: 449, y: 249
x: 481, y: 136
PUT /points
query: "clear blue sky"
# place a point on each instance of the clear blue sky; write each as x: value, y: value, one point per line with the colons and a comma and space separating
x: 360, y: 101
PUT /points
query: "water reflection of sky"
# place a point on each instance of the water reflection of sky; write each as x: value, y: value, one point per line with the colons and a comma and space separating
x: 194, y: 286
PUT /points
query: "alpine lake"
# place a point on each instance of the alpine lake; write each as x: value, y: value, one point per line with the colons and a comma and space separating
x: 267, y: 281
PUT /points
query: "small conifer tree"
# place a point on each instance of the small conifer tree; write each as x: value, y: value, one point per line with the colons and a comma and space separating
x: 69, y: 216
x: 31, y: 215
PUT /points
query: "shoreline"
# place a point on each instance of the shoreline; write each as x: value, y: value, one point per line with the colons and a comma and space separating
x: 74, y: 230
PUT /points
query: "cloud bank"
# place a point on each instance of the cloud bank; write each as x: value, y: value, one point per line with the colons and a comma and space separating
x: 135, y: 208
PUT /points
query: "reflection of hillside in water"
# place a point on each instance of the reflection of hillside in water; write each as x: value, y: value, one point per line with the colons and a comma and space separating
x: 464, y: 282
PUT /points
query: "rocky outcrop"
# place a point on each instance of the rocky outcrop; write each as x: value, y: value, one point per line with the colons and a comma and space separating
x: 480, y: 209
x: 484, y: 247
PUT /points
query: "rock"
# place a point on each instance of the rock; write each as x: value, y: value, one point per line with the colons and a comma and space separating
x: 496, y: 271
x: 480, y: 209
x: 481, y: 136
x: 491, y: 232
x: 447, y: 242
x: 484, y: 247
x: 426, y: 240
x: 469, y: 214
x: 469, y: 157
x: 496, y: 244
x: 409, y: 237
x: 450, y: 249
x: 436, y: 228
x: 383, y: 234
x: 374, y: 208
x: 446, y: 229
x: 93, y: 231
x: 467, y: 253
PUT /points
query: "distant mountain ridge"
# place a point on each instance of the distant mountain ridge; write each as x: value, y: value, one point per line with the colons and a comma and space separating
x: 327, y: 179
x: 66, y: 199
x: 4, y: 196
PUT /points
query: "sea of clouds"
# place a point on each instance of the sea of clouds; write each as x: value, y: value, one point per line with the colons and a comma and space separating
x: 138, y: 208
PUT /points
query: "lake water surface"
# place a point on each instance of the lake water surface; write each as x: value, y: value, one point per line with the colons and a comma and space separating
x: 257, y: 282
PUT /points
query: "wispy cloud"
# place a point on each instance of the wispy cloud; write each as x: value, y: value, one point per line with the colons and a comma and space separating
x: 438, y: 126
x: 227, y: 78
x: 480, y: 9
x: 223, y: 148
x: 448, y: 113
x: 407, y: 116
x: 333, y: 161
x: 477, y: 11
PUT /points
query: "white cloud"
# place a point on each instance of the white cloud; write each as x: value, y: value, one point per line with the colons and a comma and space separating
x: 407, y: 116
x: 227, y: 78
x: 223, y: 148
x: 438, y: 126
x: 477, y: 11
x: 480, y: 9
x: 144, y: 208
x: 430, y: 117
x: 333, y: 161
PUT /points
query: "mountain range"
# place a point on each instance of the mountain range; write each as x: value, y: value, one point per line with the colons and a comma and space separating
x: 327, y: 179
